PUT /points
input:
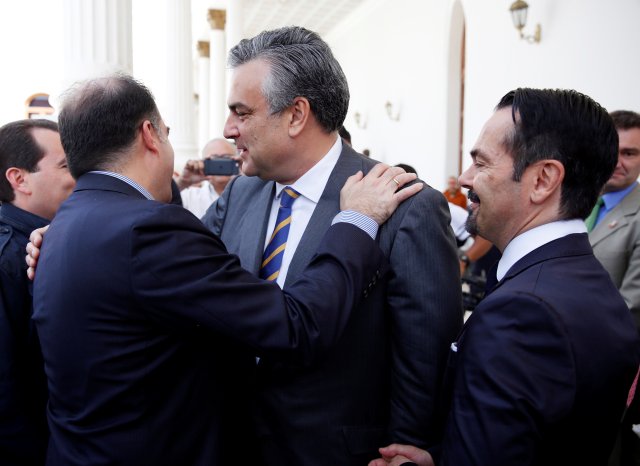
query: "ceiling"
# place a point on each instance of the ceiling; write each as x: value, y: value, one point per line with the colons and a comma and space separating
x: 318, y: 15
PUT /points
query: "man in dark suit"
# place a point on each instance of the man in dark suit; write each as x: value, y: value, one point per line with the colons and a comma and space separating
x: 542, y: 371
x: 34, y: 180
x: 140, y: 309
x: 380, y: 383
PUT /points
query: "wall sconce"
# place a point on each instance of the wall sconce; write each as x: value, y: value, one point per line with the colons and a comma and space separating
x: 393, y: 111
x: 519, y: 10
x: 361, y: 120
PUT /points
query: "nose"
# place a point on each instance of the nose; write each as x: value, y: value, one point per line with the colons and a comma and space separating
x: 465, y: 179
x: 230, y: 130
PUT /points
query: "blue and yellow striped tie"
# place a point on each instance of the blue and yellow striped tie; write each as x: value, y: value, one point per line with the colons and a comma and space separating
x: 272, y: 257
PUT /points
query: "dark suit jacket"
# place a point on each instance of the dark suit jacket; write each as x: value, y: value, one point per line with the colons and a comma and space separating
x: 137, y: 306
x: 543, y: 365
x: 380, y: 382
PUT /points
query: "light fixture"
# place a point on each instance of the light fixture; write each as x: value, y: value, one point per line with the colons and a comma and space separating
x: 361, y: 120
x: 519, y: 10
x: 393, y: 111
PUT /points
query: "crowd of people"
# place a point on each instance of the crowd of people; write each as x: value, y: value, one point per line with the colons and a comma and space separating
x: 309, y: 311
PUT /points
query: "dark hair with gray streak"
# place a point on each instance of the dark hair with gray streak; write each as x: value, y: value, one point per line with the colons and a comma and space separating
x: 302, y: 65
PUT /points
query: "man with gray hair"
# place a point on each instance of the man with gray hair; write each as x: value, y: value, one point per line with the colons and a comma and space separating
x: 288, y: 99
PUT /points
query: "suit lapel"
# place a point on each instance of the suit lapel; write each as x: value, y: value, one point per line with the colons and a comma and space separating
x: 617, y: 218
x: 252, y: 235
x: 576, y: 244
x: 328, y: 206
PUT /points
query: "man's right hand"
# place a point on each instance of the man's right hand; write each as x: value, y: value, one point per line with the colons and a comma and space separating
x: 378, y: 194
x: 33, y: 250
x: 397, y: 454
x: 192, y: 173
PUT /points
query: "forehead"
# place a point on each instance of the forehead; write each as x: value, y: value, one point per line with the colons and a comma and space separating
x: 629, y: 137
x: 48, y: 140
x: 247, y: 80
x: 218, y: 147
x: 493, y: 133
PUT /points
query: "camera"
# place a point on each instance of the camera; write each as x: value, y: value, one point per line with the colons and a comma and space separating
x: 223, y: 167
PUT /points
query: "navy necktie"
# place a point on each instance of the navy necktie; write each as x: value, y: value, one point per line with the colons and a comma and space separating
x: 272, y: 257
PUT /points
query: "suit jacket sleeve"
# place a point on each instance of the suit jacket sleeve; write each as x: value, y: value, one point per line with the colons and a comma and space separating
x: 514, y: 370
x: 424, y: 295
x: 183, y: 275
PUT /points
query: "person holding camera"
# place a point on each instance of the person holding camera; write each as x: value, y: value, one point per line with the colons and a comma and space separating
x: 200, y: 182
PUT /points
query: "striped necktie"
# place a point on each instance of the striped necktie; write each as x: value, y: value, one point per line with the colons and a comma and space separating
x: 272, y: 257
x: 591, y: 220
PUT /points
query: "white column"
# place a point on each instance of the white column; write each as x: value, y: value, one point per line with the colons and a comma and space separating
x: 217, y: 75
x: 234, y: 28
x: 203, y: 93
x: 180, y: 106
x: 235, y: 21
x: 97, y: 39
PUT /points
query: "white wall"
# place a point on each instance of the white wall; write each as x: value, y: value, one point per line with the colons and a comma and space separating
x: 587, y: 45
x: 400, y: 49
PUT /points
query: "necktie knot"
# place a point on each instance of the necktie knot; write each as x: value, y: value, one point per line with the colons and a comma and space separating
x: 288, y: 196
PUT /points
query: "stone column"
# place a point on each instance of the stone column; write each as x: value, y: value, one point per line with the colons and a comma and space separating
x: 234, y: 30
x: 97, y: 39
x: 217, y: 75
x: 180, y: 106
x: 203, y: 93
x: 235, y: 21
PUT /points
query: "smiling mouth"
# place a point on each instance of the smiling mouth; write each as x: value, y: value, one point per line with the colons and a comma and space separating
x: 473, y: 197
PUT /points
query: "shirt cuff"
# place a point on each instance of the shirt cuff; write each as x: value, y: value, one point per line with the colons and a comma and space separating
x: 366, y: 224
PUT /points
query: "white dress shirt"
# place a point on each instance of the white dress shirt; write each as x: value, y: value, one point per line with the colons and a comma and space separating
x: 197, y: 199
x: 532, y: 239
x: 310, y: 186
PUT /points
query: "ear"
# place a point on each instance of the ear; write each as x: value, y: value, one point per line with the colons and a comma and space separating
x: 18, y: 179
x: 547, y: 180
x: 149, y: 136
x: 300, y: 112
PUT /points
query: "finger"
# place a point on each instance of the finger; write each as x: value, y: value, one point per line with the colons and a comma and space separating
x: 378, y: 462
x: 378, y: 170
x: 405, y: 193
x: 391, y: 173
x: 31, y: 273
x: 404, y: 178
x: 353, y: 179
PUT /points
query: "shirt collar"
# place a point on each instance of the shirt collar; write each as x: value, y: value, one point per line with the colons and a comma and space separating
x: 21, y: 219
x: 613, y: 199
x: 532, y: 239
x: 312, y: 183
x: 127, y: 180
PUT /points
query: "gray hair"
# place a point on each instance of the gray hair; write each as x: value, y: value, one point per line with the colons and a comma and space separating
x: 302, y: 65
